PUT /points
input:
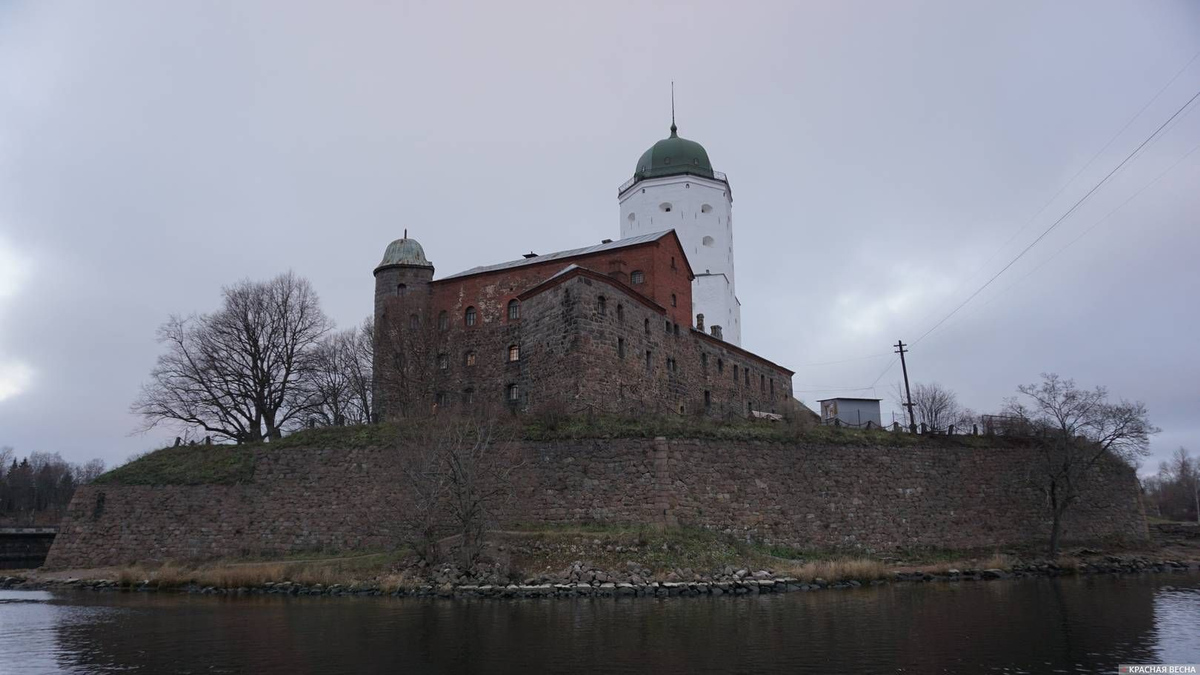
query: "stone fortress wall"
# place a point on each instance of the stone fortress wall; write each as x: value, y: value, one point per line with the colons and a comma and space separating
x: 805, y: 495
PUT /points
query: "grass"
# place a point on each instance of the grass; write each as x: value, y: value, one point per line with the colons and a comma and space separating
x: 369, y: 568
x: 186, y: 465
x: 233, y: 464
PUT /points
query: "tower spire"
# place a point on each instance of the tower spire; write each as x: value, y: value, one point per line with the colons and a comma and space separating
x: 673, y: 127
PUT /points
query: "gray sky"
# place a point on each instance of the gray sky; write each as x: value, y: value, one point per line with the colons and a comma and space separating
x: 886, y: 159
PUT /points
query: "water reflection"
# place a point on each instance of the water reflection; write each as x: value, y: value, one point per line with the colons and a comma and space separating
x: 1074, y: 625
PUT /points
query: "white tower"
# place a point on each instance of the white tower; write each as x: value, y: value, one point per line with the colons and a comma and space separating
x: 674, y: 187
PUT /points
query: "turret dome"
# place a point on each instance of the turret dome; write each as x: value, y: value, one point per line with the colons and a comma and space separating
x: 673, y: 156
x: 405, y: 251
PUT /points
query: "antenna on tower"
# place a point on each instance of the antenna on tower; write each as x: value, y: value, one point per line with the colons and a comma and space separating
x: 673, y: 127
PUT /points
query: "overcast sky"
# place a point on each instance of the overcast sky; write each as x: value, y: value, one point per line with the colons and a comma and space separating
x: 886, y: 159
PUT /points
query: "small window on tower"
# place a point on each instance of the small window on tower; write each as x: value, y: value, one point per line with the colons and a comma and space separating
x: 631, y: 217
x: 707, y: 241
x: 665, y: 206
x: 637, y: 277
x: 705, y: 208
x: 470, y: 316
x: 601, y: 306
x: 401, y: 289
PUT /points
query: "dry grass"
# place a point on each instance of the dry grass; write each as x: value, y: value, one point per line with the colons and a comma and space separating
x: 243, y: 575
x: 998, y: 561
x: 846, y: 569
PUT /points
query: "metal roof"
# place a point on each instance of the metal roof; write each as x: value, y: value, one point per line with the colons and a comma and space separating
x: 847, y: 398
x: 620, y: 243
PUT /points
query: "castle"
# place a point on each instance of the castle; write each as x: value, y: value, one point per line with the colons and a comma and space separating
x: 646, y: 323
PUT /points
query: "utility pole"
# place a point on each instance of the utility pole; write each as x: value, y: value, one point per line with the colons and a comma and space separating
x: 912, y: 420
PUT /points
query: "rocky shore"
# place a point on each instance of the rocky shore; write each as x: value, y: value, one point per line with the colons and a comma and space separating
x: 583, y: 580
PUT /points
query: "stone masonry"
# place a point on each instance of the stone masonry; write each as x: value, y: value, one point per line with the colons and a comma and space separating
x: 307, y: 499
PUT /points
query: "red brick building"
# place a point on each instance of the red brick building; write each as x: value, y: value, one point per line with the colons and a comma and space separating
x: 606, y: 328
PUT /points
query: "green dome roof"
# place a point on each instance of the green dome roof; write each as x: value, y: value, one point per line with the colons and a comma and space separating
x: 405, y: 251
x: 673, y: 156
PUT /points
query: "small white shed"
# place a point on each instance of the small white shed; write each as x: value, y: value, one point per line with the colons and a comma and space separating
x: 855, y: 412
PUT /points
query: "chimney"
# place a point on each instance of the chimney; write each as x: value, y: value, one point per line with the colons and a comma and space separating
x: 700, y: 322
x: 529, y: 255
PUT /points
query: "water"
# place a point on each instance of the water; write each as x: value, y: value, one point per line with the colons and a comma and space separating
x: 1077, y: 625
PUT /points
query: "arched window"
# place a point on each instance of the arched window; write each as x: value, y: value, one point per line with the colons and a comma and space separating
x: 443, y: 320
x: 707, y: 241
x: 665, y: 206
x: 401, y: 289
x: 414, y: 322
x: 720, y: 366
x: 470, y: 316
x: 469, y: 359
x: 621, y: 348
x: 674, y: 302
x: 468, y: 396
x: 514, y: 394
x: 620, y: 312
x: 514, y: 310
x: 705, y: 208
x: 443, y: 361
x: 647, y: 326
x: 514, y: 353
x: 601, y: 306
x: 637, y: 277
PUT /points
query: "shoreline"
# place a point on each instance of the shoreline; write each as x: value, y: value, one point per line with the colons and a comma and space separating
x: 739, y: 583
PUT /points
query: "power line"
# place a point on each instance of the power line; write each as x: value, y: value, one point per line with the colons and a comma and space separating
x: 1082, y: 169
x: 1061, y: 218
x: 1094, y: 225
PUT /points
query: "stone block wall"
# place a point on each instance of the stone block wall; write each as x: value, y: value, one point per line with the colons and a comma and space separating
x: 795, y: 494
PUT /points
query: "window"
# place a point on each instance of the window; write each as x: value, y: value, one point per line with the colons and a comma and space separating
x: 672, y: 262
x: 514, y: 353
x: 443, y: 362
x: 468, y: 396
x: 762, y: 382
x: 676, y: 329
x: 772, y: 387
x: 667, y: 327
x: 704, y: 361
x: 707, y: 399
x: 670, y: 365
x: 649, y: 357
x: 514, y: 394
x: 620, y: 312
x: 401, y: 289
x: 414, y: 322
x: 469, y: 359
x: 705, y: 208
x: 442, y: 399
x: 647, y: 326
x: 720, y: 366
x: 514, y: 310
x: 665, y: 206
x: 469, y: 317
x: 601, y: 306
x: 747, y: 377
x: 637, y: 277
x: 621, y: 348
x: 443, y: 321
x: 707, y: 241
x: 674, y: 301
x: 735, y: 373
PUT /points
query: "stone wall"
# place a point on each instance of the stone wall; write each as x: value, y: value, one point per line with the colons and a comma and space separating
x: 800, y: 495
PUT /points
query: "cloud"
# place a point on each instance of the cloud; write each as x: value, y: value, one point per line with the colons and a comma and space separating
x: 15, y: 375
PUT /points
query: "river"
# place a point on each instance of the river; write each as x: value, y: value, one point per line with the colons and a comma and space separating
x: 1071, y: 625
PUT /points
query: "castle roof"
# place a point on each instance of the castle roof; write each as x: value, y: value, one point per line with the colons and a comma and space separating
x: 404, y: 251
x: 672, y: 156
x: 564, y: 255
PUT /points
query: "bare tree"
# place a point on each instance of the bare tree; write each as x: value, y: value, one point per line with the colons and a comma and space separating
x: 235, y: 373
x: 934, y: 406
x: 1076, y: 428
x: 1175, y: 490
x: 404, y: 362
x: 339, y: 384
x: 458, y: 473
x: 89, y: 471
